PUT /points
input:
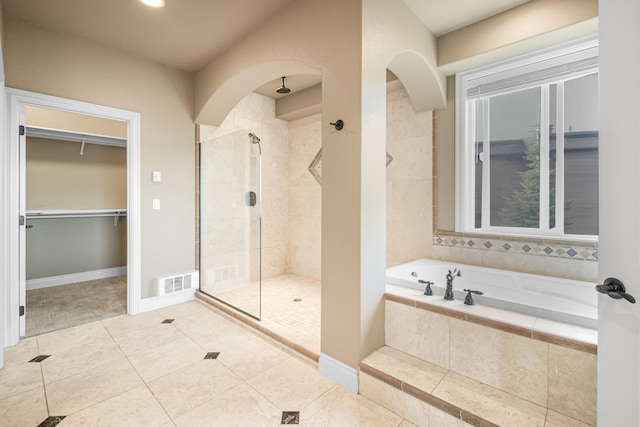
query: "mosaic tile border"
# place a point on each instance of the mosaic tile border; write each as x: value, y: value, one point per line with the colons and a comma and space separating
x: 570, y: 250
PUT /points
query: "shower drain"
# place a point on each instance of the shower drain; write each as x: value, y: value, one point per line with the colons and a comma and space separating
x: 297, y: 299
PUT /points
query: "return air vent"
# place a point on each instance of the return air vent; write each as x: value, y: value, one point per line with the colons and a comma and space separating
x: 177, y: 283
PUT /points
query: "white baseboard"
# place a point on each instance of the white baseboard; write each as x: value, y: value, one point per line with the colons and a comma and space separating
x: 154, y: 303
x: 338, y: 372
x: 65, y: 279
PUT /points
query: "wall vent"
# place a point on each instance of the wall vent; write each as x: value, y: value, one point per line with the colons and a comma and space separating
x: 176, y: 283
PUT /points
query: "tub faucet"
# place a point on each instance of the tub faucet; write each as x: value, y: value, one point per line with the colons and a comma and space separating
x: 448, y: 293
x: 469, y: 298
x: 427, y: 289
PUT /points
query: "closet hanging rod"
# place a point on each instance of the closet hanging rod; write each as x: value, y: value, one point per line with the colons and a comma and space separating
x: 66, y: 135
x: 78, y: 213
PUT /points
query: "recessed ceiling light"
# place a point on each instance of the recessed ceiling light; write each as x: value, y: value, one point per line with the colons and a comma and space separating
x: 153, y: 3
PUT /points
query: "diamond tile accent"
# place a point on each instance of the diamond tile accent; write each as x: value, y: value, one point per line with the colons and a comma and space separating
x: 212, y: 355
x: 290, y: 417
x: 168, y: 320
x: 40, y: 358
x: 52, y: 421
x: 586, y: 253
x: 315, y: 167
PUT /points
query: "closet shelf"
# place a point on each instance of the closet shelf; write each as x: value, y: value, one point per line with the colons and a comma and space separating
x: 78, y: 213
x: 65, y: 135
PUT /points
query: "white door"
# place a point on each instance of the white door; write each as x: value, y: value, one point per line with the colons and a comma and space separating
x: 619, y: 246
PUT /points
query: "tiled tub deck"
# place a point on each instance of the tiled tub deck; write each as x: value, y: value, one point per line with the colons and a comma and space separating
x: 446, y: 364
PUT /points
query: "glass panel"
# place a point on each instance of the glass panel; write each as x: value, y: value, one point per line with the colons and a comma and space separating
x: 514, y: 135
x: 553, y: 109
x: 581, y: 155
x: 230, y: 221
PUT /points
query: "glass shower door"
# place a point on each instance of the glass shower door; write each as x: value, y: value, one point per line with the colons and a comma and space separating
x: 230, y: 221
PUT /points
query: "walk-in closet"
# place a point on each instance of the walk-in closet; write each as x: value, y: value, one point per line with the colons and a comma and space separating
x: 75, y: 195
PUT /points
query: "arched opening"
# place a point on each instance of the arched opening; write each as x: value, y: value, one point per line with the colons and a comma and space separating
x: 263, y: 192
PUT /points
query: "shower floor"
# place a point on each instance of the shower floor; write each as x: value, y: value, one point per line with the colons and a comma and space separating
x: 290, y: 307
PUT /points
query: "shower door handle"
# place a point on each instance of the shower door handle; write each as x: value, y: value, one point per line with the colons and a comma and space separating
x: 250, y: 198
x: 615, y: 289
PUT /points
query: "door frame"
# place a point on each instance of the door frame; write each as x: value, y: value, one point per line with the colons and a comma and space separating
x: 10, y: 230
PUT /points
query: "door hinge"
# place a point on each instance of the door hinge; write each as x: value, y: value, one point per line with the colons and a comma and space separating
x: 21, y: 130
x: 22, y: 310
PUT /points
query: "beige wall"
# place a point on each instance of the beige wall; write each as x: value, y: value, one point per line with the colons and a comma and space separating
x: 46, y: 62
x: 65, y: 120
x: 530, y: 26
x: 58, y: 177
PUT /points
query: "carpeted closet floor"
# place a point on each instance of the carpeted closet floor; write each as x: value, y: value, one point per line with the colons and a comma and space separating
x: 60, y: 307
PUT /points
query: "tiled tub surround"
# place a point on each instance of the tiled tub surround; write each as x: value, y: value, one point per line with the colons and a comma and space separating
x: 451, y: 364
x: 569, y: 301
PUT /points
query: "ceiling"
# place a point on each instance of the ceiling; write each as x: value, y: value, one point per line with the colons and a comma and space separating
x: 207, y: 27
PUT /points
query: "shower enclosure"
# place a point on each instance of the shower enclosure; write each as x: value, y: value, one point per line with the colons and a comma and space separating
x: 230, y: 220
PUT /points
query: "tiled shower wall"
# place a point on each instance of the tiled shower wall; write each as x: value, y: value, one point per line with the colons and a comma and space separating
x: 409, y: 180
x: 305, y: 198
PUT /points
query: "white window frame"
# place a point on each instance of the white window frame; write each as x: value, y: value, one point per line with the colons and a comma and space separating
x: 516, y: 74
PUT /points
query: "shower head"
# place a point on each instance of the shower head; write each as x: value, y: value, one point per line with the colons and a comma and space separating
x: 254, y: 138
x: 283, y: 89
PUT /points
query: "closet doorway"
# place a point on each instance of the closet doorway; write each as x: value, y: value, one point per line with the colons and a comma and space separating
x: 14, y: 232
x: 75, y: 197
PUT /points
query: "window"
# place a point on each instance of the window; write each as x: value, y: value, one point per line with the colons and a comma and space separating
x: 527, y: 145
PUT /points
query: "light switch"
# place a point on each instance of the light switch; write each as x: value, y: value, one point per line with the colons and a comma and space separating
x: 156, y: 204
x: 156, y: 176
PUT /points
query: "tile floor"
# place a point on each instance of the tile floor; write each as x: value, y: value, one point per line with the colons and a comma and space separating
x: 290, y: 307
x: 141, y: 371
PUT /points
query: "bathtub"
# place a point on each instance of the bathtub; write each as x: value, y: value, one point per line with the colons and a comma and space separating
x: 568, y: 301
